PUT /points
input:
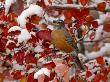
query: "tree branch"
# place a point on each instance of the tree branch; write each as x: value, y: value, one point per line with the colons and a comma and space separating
x: 69, y: 6
x: 93, y: 40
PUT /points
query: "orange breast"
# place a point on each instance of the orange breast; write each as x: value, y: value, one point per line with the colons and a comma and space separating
x: 59, y: 40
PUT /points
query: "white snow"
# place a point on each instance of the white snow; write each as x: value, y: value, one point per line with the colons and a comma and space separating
x: 41, y: 60
x: 14, y: 28
x: 50, y: 27
x: 42, y: 71
x: 31, y: 70
x: 32, y: 10
x: 46, y: 2
x: 99, y: 33
x: 1, y: 4
x: 82, y: 57
x: 33, y: 33
x: 38, y: 48
x: 101, y: 52
x: 24, y: 36
x: 97, y: 1
x: 18, y: 67
x: 8, y: 3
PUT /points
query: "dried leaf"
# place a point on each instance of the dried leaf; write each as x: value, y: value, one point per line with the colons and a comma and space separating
x: 100, y: 60
x: 101, y: 6
x: 84, y: 2
x: 97, y: 78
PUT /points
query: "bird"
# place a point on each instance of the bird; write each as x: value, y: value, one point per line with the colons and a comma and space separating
x: 63, y: 40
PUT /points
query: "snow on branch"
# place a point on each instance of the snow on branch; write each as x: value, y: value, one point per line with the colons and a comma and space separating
x: 69, y: 6
x: 32, y: 10
x: 101, y: 52
x: 14, y: 28
x: 42, y: 71
x: 8, y: 4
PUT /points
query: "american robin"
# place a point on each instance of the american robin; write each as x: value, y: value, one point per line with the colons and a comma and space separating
x: 62, y: 39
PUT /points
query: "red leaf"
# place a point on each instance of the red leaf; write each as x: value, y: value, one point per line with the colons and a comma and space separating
x: 73, y: 79
x: 28, y: 67
x: 17, y: 75
x: 8, y: 58
x: 100, y: 60
x: 47, y: 79
x: 84, y: 2
x: 33, y: 39
x: 44, y: 35
x: 19, y: 57
x: 52, y: 75
x: 13, y: 33
x: 88, y: 74
x: 80, y: 15
x: 67, y: 14
x: 101, y: 6
x: 4, y: 18
x: 46, y: 44
x: 70, y: 1
x: 89, y: 19
x: 3, y: 44
x: 69, y: 22
x: 29, y: 58
x: 78, y: 24
x: 104, y: 78
x: 29, y: 26
x: 17, y: 7
x: 75, y: 13
x: 5, y: 31
x: 31, y: 78
x: 84, y: 12
x: 95, y: 24
x: 49, y: 65
x: 43, y: 55
x: 11, y: 45
x: 35, y: 19
x: 97, y: 78
x: 106, y: 27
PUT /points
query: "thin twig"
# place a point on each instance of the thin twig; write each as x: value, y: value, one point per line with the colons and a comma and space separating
x: 85, y: 35
x: 94, y: 40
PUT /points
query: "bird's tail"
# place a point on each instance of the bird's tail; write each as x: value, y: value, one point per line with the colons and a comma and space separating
x: 79, y: 65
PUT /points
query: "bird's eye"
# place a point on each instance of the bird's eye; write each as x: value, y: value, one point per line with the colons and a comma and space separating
x: 59, y: 22
x: 54, y: 22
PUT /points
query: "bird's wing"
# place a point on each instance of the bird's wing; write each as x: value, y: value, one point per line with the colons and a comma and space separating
x: 69, y: 38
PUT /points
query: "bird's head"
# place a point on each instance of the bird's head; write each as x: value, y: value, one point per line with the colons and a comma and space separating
x: 59, y: 24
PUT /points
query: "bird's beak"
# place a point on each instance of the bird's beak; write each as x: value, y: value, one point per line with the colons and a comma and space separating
x: 54, y: 23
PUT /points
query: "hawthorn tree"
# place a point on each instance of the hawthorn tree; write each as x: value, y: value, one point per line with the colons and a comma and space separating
x: 26, y: 51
